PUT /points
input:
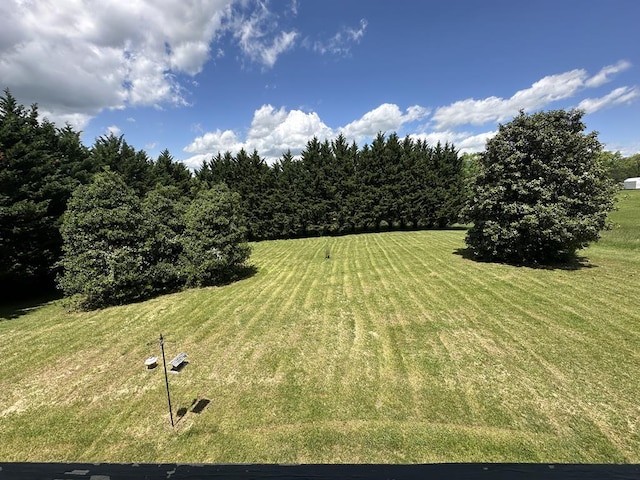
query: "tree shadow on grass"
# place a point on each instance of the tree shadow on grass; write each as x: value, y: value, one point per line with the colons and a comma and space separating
x: 571, y: 263
x: 240, y: 273
x: 12, y: 309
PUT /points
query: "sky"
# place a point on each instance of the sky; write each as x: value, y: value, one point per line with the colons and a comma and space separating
x: 198, y: 77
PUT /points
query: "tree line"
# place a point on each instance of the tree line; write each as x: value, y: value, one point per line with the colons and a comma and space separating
x: 110, y: 224
x: 52, y: 193
x: 619, y: 167
x: 164, y: 223
x: 337, y: 188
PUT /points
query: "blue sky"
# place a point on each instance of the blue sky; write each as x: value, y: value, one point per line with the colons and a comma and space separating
x: 198, y: 77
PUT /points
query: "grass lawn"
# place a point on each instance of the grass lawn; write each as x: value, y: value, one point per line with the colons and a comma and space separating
x: 396, y: 349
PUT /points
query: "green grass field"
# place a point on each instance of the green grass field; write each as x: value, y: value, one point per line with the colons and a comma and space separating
x: 396, y: 349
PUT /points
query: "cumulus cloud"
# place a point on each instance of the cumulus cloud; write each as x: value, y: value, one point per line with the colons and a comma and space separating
x: 385, y: 118
x: 113, y: 130
x: 496, y: 109
x: 76, y: 58
x: 465, y: 142
x: 615, y: 97
x: 217, y: 141
x: 274, y: 131
x: 194, y: 162
x: 76, y: 120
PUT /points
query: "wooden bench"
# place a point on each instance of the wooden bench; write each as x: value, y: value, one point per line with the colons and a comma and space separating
x: 178, y: 361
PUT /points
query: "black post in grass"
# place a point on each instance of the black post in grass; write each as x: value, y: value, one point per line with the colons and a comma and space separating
x: 166, y: 378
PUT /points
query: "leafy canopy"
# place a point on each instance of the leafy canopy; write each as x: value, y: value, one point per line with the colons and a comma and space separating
x: 120, y: 248
x: 103, y: 259
x: 541, y: 191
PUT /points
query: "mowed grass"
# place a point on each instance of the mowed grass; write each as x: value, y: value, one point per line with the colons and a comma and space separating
x: 395, y: 349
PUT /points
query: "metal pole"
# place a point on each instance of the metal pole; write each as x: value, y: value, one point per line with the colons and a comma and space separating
x: 166, y: 378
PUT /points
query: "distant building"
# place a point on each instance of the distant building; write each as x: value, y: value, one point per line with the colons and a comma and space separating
x: 632, y: 183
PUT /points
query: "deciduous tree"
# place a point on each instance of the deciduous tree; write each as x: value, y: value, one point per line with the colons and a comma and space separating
x: 103, y: 260
x: 214, y: 239
x: 541, y: 192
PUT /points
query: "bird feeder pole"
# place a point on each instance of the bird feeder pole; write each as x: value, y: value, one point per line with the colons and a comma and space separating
x: 166, y: 379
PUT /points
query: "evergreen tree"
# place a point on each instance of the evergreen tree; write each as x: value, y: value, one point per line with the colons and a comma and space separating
x: 345, y: 159
x: 410, y: 183
x: 449, y: 187
x: 167, y: 172
x: 374, y: 189
x: 288, y: 197
x: 37, y: 175
x: 313, y: 211
x: 390, y: 189
x: 135, y: 167
x: 365, y: 191
x: 254, y: 184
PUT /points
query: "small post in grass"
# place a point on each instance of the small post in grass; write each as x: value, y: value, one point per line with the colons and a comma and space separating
x: 166, y: 378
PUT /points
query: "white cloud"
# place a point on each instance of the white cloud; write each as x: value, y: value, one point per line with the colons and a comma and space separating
x: 76, y: 58
x: 259, y: 38
x: 113, y: 130
x: 218, y: 141
x: 272, y: 133
x: 341, y: 42
x: 543, y: 92
x: 602, y: 76
x: 282, y: 43
x: 474, y: 143
x: 616, y: 97
x: 194, y: 162
x: 356, y: 34
x: 294, y: 7
x: 496, y: 109
x: 385, y: 118
x: 76, y: 120
x: 465, y: 142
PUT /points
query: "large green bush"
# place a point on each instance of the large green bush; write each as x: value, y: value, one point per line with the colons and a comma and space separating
x: 118, y: 248
x: 214, y: 242
x: 541, y: 191
x: 103, y: 259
